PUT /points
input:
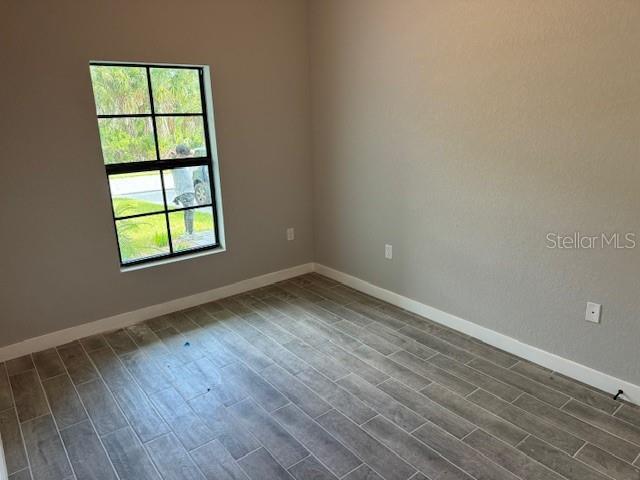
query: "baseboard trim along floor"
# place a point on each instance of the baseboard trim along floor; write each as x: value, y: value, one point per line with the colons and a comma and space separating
x: 546, y: 359
x: 126, y: 319
x: 577, y: 371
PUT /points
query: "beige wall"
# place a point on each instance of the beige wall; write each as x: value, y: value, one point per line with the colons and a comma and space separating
x: 459, y: 131
x: 59, y: 264
x: 462, y: 132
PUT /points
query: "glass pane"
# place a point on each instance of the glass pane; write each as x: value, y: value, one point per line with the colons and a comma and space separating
x: 120, y: 90
x: 126, y: 140
x: 142, y: 237
x: 136, y: 193
x: 181, y: 137
x: 176, y: 90
x: 187, y: 186
x: 192, y: 228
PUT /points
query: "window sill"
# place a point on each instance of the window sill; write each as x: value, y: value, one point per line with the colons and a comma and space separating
x: 165, y: 261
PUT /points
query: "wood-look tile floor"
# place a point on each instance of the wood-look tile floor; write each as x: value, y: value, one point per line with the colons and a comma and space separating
x: 304, y: 379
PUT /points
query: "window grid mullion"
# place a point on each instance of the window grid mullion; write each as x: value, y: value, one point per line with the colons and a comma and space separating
x: 145, y: 115
x: 152, y: 165
x: 155, y: 138
x: 159, y: 212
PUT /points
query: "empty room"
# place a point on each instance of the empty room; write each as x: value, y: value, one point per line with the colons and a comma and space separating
x: 320, y: 240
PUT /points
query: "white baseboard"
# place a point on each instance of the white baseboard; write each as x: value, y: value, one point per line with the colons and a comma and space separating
x: 549, y: 360
x: 61, y: 337
x: 555, y: 362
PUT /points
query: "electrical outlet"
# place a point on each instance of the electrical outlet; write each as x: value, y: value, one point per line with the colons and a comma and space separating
x: 593, y: 312
x: 388, y: 251
x: 291, y: 233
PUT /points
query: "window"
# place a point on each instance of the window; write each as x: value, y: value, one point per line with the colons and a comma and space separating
x: 158, y: 155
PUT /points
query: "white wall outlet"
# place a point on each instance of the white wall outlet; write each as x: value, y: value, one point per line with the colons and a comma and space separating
x: 291, y: 233
x: 388, y: 251
x: 593, y: 312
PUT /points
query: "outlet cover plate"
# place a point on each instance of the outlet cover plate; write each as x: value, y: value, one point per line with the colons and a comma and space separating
x: 593, y: 312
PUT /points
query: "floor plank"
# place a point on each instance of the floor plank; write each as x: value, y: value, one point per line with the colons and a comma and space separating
x: 474, y: 414
x: 581, y: 429
x: 47, y: 456
x: 28, y: 395
x: 336, y: 396
x: 606, y: 463
x: 606, y: 422
x: 11, y: 435
x: 146, y: 372
x: 412, y: 450
x: 6, y: 400
x: 172, y: 460
x: 318, y: 441
x: 101, y: 406
x: 224, y: 426
x: 146, y: 339
x: 428, y: 409
x: 363, y: 472
x: 187, y: 426
x: 128, y: 456
x: 353, y: 363
x: 88, y: 457
x: 461, y: 455
x: 64, y: 401
x: 311, y: 468
x: 282, y: 445
x: 391, y: 368
x: 21, y: 475
x: 557, y: 437
x: 569, y: 387
x: 381, y: 402
x: 478, y: 380
x: 48, y: 363
x: 296, y: 391
x: 112, y: 371
x: 376, y: 455
x: 471, y: 345
x: 121, y: 342
x: 508, y: 457
x: 433, y: 372
x: 260, y: 389
x: 436, y: 344
x: 377, y: 342
x: 629, y: 413
x: 553, y: 397
x: 94, y: 342
x: 260, y: 465
x: 139, y: 412
x: 321, y: 362
x: 19, y: 365
x: 558, y: 461
x: 216, y: 463
x: 77, y: 363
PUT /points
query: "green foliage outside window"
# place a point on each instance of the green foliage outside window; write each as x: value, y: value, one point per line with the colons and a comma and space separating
x: 144, y: 193
x: 124, y: 91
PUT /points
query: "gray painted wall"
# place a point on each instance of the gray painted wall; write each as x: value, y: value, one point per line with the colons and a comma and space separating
x: 60, y: 265
x: 462, y: 132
